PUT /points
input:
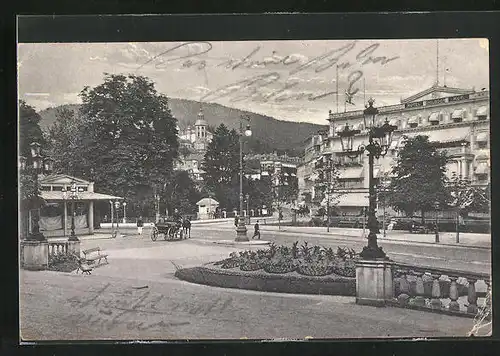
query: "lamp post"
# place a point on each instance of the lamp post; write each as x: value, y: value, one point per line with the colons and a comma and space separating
x: 247, y: 198
x: 379, y: 139
x: 35, y: 165
x: 241, y: 230
x: 124, y: 212
x: 117, y: 206
x: 73, y: 195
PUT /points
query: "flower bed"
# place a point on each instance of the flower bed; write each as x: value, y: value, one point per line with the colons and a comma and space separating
x: 292, y: 269
x: 305, y: 260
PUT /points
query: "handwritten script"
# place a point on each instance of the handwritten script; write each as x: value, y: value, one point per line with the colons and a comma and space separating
x: 139, y: 310
x: 275, y: 84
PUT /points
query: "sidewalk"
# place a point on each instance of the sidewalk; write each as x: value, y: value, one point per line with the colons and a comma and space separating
x: 471, y: 240
x: 445, y: 238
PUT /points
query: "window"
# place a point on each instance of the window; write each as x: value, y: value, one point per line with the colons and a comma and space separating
x: 457, y: 119
x: 433, y: 123
x: 482, y: 144
x: 482, y: 117
x: 483, y: 177
x: 413, y: 124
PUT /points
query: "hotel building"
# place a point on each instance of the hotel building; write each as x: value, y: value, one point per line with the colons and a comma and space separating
x: 459, y: 119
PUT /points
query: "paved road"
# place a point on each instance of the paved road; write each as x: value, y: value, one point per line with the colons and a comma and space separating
x: 112, y: 303
x: 444, y: 256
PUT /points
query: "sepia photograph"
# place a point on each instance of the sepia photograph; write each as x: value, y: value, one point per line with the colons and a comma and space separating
x: 271, y: 189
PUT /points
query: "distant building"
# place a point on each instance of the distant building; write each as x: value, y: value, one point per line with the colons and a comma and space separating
x: 193, y: 146
x: 456, y: 118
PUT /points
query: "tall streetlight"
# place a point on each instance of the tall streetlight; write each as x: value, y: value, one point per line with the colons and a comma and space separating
x: 247, y: 199
x: 124, y: 212
x: 241, y: 230
x: 35, y: 166
x: 379, y: 140
x: 73, y: 195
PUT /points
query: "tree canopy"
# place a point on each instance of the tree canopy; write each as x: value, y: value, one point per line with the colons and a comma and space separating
x: 221, y: 166
x: 420, y: 179
x: 124, y: 138
x: 29, y: 128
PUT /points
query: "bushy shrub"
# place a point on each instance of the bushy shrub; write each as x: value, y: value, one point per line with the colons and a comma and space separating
x: 63, y: 262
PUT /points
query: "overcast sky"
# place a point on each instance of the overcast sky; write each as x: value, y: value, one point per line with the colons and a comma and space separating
x: 289, y: 80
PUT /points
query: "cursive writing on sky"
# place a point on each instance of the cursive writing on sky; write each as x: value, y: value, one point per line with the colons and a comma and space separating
x: 273, y: 84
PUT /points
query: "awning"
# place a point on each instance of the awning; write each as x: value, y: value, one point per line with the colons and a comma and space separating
x: 83, y: 196
x: 482, y: 168
x: 482, y: 137
x: 413, y: 120
x: 458, y: 114
x: 451, y: 134
x: 482, y: 111
x: 351, y: 173
x: 394, y: 122
x: 434, y: 117
x: 358, y: 199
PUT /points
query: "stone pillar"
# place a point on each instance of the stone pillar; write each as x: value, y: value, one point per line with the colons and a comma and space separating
x: 91, y: 217
x: 35, y: 255
x: 74, y: 247
x: 374, y: 282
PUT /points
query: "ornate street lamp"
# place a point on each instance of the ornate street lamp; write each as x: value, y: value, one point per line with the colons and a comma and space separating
x: 241, y: 230
x: 73, y: 195
x: 38, y: 166
x: 117, y: 207
x: 278, y: 182
x: 379, y: 139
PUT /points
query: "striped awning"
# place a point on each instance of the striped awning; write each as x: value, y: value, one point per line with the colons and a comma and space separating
x: 482, y: 136
x: 413, y: 120
x: 458, y: 114
x: 394, y: 122
x: 351, y: 173
x: 434, y: 117
x: 482, y: 168
x: 482, y: 111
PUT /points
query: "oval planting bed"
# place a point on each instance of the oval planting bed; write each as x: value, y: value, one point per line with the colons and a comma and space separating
x: 281, y: 269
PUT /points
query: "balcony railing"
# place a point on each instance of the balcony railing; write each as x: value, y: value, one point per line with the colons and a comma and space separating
x: 442, y: 290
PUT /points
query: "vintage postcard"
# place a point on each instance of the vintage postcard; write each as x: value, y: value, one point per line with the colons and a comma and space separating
x: 293, y: 189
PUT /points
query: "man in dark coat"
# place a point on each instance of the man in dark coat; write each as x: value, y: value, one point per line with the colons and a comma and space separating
x: 256, y: 230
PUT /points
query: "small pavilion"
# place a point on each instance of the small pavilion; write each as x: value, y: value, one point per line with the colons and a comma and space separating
x: 206, y: 208
x: 52, y: 192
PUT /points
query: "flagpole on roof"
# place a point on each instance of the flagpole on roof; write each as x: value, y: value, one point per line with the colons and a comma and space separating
x: 437, y: 62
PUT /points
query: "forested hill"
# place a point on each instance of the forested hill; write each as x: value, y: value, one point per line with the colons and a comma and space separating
x: 268, y: 134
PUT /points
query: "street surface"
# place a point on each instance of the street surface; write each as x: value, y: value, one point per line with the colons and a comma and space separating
x: 136, y: 295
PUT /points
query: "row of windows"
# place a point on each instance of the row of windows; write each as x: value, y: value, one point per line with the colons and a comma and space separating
x: 414, y: 122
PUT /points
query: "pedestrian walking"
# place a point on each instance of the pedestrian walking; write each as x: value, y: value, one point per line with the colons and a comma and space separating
x: 236, y: 220
x: 186, y: 226
x: 256, y: 230
x: 140, y: 224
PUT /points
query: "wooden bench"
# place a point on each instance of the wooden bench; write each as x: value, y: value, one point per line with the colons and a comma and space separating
x: 94, y: 254
x: 83, y: 266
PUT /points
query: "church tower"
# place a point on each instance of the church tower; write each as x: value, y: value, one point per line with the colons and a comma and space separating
x: 201, y: 132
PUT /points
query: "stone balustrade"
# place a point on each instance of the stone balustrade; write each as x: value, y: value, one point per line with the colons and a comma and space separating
x: 442, y: 290
x: 58, y: 247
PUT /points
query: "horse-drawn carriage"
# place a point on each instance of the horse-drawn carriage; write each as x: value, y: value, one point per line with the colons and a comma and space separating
x: 170, y: 229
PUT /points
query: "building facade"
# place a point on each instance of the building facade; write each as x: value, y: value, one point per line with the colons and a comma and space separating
x: 456, y: 118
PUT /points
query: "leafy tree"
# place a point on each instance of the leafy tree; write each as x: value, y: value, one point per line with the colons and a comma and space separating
x: 181, y: 193
x: 29, y: 128
x: 221, y: 167
x: 420, y: 179
x: 128, y: 137
x: 327, y: 182
x: 65, y: 139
